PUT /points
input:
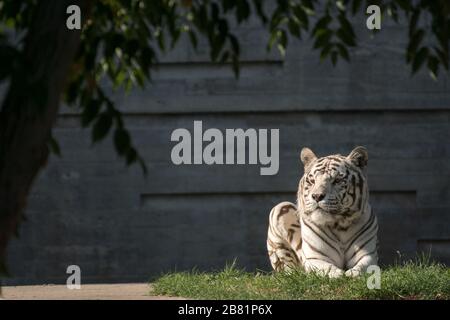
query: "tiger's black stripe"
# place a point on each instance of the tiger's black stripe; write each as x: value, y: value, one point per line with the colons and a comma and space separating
x: 322, y: 238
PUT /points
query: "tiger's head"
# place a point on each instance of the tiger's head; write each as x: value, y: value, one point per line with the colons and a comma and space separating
x: 333, y: 190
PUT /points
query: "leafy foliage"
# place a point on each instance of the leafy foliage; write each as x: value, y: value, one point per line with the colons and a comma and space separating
x: 122, y: 39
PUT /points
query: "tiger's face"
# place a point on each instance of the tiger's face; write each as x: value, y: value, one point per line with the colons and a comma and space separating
x: 333, y: 189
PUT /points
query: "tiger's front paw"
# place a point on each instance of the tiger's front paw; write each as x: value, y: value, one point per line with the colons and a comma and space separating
x: 353, y: 272
x: 335, y: 273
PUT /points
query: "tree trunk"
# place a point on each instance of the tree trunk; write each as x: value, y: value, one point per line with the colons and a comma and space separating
x: 30, y: 109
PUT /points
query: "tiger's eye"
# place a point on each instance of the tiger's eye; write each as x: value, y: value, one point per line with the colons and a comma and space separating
x: 339, y: 178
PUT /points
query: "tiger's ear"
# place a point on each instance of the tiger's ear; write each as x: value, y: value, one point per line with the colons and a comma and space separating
x: 307, y: 157
x: 359, y: 157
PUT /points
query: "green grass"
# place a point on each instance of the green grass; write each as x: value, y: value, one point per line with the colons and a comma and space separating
x: 410, y: 280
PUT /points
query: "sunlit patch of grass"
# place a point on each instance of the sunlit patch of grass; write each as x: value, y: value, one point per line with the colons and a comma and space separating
x: 419, y: 279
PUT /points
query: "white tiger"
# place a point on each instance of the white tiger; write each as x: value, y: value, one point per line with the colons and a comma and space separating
x: 333, y: 231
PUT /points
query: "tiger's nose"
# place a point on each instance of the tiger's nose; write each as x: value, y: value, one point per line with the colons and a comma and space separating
x: 318, y: 196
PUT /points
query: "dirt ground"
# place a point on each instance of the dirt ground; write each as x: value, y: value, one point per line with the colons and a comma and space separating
x: 127, y: 291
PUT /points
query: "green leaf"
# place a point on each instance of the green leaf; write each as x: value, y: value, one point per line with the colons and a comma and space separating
x: 243, y: 10
x: 258, y: 4
x: 222, y: 27
x: 307, y: 4
x: 433, y: 67
x: 343, y: 51
x: 139, y: 76
x: 276, y: 18
x: 443, y: 57
x: 119, y: 78
x: 301, y: 16
x: 225, y: 56
x: 101, y: 126
x: 53, y: 146
x: 234, y: 44
x: 347, y: 38
x: 346, y: 26
x: 393, y: 12
x: 325, y: 52
x: 414, y: 43
x: 340, y: 5
x: 282, y: 42
x: 161, y: 40
x: 143, y: 166
x: 122, y: 141
x: 419, y: 59
x: 216, y: 48
x: 356, y: 4
x: 193, y: 38
x: 413, y: 21
x: 90, y: 112
x: 131, y: 156
x: 272, y: 39
x: 322, y: 23
x: 235, y: 66
x: 323, y: 38
x: 294, y: 28
x: 146, y: 60
x: 334, y: 57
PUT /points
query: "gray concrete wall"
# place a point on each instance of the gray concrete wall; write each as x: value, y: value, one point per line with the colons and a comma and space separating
x: 88, y: 209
